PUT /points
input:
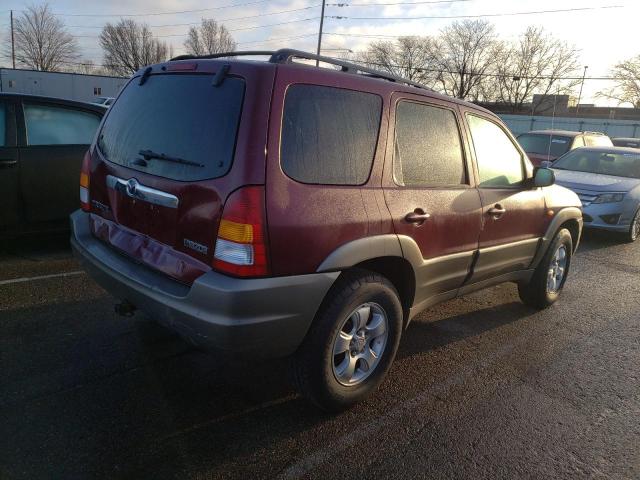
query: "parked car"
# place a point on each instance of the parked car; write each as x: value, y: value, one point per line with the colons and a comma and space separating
x: 104, y: 101
x: 42, y: 143
x: 547, y: 145
x: 626, y: 142
x: 607, y: 180
x: 256, y: 213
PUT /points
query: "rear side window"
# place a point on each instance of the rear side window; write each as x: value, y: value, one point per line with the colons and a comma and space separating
x: 53, y: 125
x: 180, y: 117
x: 329, y: 135
x: 428, y: 151
x: 499, y: 161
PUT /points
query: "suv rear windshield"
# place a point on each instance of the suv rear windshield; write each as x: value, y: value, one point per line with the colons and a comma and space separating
x: 539, y: 143
x: 183, y: 117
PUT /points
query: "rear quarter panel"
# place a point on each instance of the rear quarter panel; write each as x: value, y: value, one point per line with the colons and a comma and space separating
x: 307, y: 222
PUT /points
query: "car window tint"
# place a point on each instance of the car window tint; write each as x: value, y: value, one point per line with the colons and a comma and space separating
x: 499, y: 161
x: 49, y: 125
x: 428, y: 151
x: 329, y: 134
x: 3, y: 125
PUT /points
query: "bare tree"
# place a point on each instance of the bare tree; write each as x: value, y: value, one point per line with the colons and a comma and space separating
x: 408, y: 57
x: 209, y: 38
x: 627, y: 87
x: 41, y: 41
x: 464, y: 53
x: 536, y: 63
x: 129, y: 46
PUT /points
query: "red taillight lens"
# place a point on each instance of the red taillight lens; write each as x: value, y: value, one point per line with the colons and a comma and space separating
x: 85, y: 201
x: 241, y: 246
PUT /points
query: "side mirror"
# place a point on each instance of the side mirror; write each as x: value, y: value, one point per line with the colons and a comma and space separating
x: 543, y: 177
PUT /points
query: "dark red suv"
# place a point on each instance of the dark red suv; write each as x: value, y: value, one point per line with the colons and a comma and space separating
x: 279, y: 209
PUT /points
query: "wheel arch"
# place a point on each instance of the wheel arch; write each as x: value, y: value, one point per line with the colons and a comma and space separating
x: 569, y: 218
x: 381, y: 254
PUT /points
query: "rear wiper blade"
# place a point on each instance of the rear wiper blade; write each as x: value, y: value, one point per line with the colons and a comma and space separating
x: 150, y: 155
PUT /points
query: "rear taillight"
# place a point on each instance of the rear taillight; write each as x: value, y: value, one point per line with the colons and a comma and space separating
x: 85, y: 202
x: 241, y: 246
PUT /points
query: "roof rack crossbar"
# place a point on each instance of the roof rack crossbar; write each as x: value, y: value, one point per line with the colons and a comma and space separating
x: 286, y: 55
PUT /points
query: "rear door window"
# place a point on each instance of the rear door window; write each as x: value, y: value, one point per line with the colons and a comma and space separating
x: 329, y: 135
x: 182, y: 117
x: 428, y: 151
x: 54, y: 125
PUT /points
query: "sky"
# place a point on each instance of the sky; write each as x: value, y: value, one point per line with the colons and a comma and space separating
x: 604, y: 36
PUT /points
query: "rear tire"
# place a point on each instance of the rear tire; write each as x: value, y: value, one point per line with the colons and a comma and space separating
x: 549, y: 277
x: 351, y: 344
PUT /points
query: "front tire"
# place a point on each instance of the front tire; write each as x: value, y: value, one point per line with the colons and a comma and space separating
x: 634, y: 229
x: 548, y: 280
x: 351, y: 343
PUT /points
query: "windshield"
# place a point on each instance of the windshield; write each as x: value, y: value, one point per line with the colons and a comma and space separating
x: 177, y: 116
x: 602, y: 162
x: 539, y: 143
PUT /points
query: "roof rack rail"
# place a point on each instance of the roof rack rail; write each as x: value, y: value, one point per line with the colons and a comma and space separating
x: 286, y: 55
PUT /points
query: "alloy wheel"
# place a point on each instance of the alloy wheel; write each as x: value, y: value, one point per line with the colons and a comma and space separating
x: 359, y: 344
x: 557, y: 269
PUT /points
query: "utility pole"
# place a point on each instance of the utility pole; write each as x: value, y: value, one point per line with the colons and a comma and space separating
x: 584, y: 74
x: 324, y: 2
x: 13, y: 44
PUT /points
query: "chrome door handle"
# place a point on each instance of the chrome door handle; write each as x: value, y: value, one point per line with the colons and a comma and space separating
x: 418, y: 216
x: 497, y: 211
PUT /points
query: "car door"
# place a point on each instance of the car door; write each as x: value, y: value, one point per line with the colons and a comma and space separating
x: 430, y: 194
x: 9, y: 166
x: 55, y: 141
x: 513, y: 213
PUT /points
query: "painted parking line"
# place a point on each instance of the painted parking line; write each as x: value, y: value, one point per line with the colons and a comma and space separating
x: 41, y: 277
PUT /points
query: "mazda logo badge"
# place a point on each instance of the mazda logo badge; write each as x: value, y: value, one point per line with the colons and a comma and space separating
x: 132, y: 186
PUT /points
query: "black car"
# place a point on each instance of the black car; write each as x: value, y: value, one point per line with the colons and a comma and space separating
x: 42, y: 143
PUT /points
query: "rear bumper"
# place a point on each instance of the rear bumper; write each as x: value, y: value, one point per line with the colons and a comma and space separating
x: 267, y: 317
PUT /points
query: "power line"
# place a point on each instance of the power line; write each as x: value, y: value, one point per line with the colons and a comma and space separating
x: 385, y: 4
x: 150, y: 14
x: 281, y: 39
x: 564, y: 10
x: 217, y: 20
x: 230, y: 30
x: 478, y: 74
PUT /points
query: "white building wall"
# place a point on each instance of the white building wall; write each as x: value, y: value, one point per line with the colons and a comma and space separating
x: 73, y: 86
x: 614, y: 128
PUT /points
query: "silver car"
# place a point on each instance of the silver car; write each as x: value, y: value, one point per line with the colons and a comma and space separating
x: 607, y: 180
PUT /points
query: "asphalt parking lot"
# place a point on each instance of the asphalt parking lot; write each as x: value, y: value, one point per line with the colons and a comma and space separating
x: 483, y: 387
